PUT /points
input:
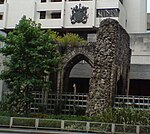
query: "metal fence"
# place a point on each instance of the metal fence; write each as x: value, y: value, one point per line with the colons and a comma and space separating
x: 70, y: 103
x: 66, y: 103
x: 70, y: 125
x: 136, y: 102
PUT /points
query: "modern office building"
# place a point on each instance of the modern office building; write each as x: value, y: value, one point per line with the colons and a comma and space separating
x: 75, y: 14
x: 83, y: 17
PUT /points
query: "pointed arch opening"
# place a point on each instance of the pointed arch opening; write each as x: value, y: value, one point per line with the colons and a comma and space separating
x: 77, y: 74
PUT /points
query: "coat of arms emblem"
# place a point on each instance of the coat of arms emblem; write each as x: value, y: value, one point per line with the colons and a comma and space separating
x: 79, y: 14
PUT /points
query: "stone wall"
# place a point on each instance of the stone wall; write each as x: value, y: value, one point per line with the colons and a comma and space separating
x: 71, y: 56
x: 111, y: 66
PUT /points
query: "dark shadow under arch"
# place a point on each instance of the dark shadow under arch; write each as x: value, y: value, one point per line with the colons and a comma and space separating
x: 120, y: 86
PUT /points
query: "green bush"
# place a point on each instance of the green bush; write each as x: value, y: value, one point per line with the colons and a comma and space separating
x: 24, y: 122
x: 72, y: 40
x: 96, y: 127
x: 50, y: 123
x: 39, y: 115
x: 145, y: 129
x: 4, y: 120
x: 119, y: 116
x: 124, y: 116
x: 70, y: 117
x: 71, y: 125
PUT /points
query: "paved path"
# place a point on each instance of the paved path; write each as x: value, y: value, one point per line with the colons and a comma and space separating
x: 33, y: 131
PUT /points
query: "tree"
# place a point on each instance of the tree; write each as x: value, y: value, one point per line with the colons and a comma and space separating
x: 32, y: 57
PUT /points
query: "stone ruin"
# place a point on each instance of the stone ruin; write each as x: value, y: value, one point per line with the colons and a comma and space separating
x: 111, y: 66
x: 109, y: 58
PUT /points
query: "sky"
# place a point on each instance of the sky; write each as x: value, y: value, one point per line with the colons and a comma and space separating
x: 148, y: 6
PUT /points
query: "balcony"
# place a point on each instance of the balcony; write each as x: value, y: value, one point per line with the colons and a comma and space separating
x: 50, y: 23
x: 107, y: 4
x: 49, y: 6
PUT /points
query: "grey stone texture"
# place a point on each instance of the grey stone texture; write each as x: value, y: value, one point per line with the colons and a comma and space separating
x: 111, y: 66
x: 71, y: 56
x: 81, y: 70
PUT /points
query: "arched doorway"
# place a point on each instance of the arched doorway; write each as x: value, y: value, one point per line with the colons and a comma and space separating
x: 79, y: 77
x: 77, y: 74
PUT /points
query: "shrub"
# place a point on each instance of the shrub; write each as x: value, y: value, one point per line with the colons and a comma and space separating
x: 50, y: 123
x: 71, y: 39
x: 24, y: 122
x: 4, y: 120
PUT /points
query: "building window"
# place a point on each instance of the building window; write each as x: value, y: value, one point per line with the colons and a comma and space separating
x: 56, y: 15
x: 113, y: 12
x: 42, y: 1
x: 1, y: 1
x: 56, y: 0
x: 42, y: 14
x: 1, y: 17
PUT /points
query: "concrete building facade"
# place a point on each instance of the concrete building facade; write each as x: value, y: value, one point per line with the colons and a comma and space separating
x: 83, y: 17
x: 56, y: 14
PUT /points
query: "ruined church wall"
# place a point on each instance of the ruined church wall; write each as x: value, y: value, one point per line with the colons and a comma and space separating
x: 111, y: 62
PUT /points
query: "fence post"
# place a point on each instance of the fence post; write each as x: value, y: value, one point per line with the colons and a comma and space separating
x: 36, y: 123
x: 11, y: 121
x: 137, y: 129
x: 62, y: 124
x: 112, y: 128
x: 87, y: 126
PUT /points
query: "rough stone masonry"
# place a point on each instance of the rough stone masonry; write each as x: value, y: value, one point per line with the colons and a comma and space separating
x: 111, y: 66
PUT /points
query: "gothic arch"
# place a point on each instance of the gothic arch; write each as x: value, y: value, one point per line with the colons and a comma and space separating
x: 72, y: 56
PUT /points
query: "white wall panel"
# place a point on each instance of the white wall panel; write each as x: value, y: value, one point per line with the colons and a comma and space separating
x: 136, y: 15
x: 16, y: 10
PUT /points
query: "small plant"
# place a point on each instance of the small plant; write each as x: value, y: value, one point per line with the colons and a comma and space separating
x: 72, y: 40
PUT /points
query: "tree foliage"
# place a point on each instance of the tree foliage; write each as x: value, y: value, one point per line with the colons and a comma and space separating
x: 71, y: 39
x: 31, y: 57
